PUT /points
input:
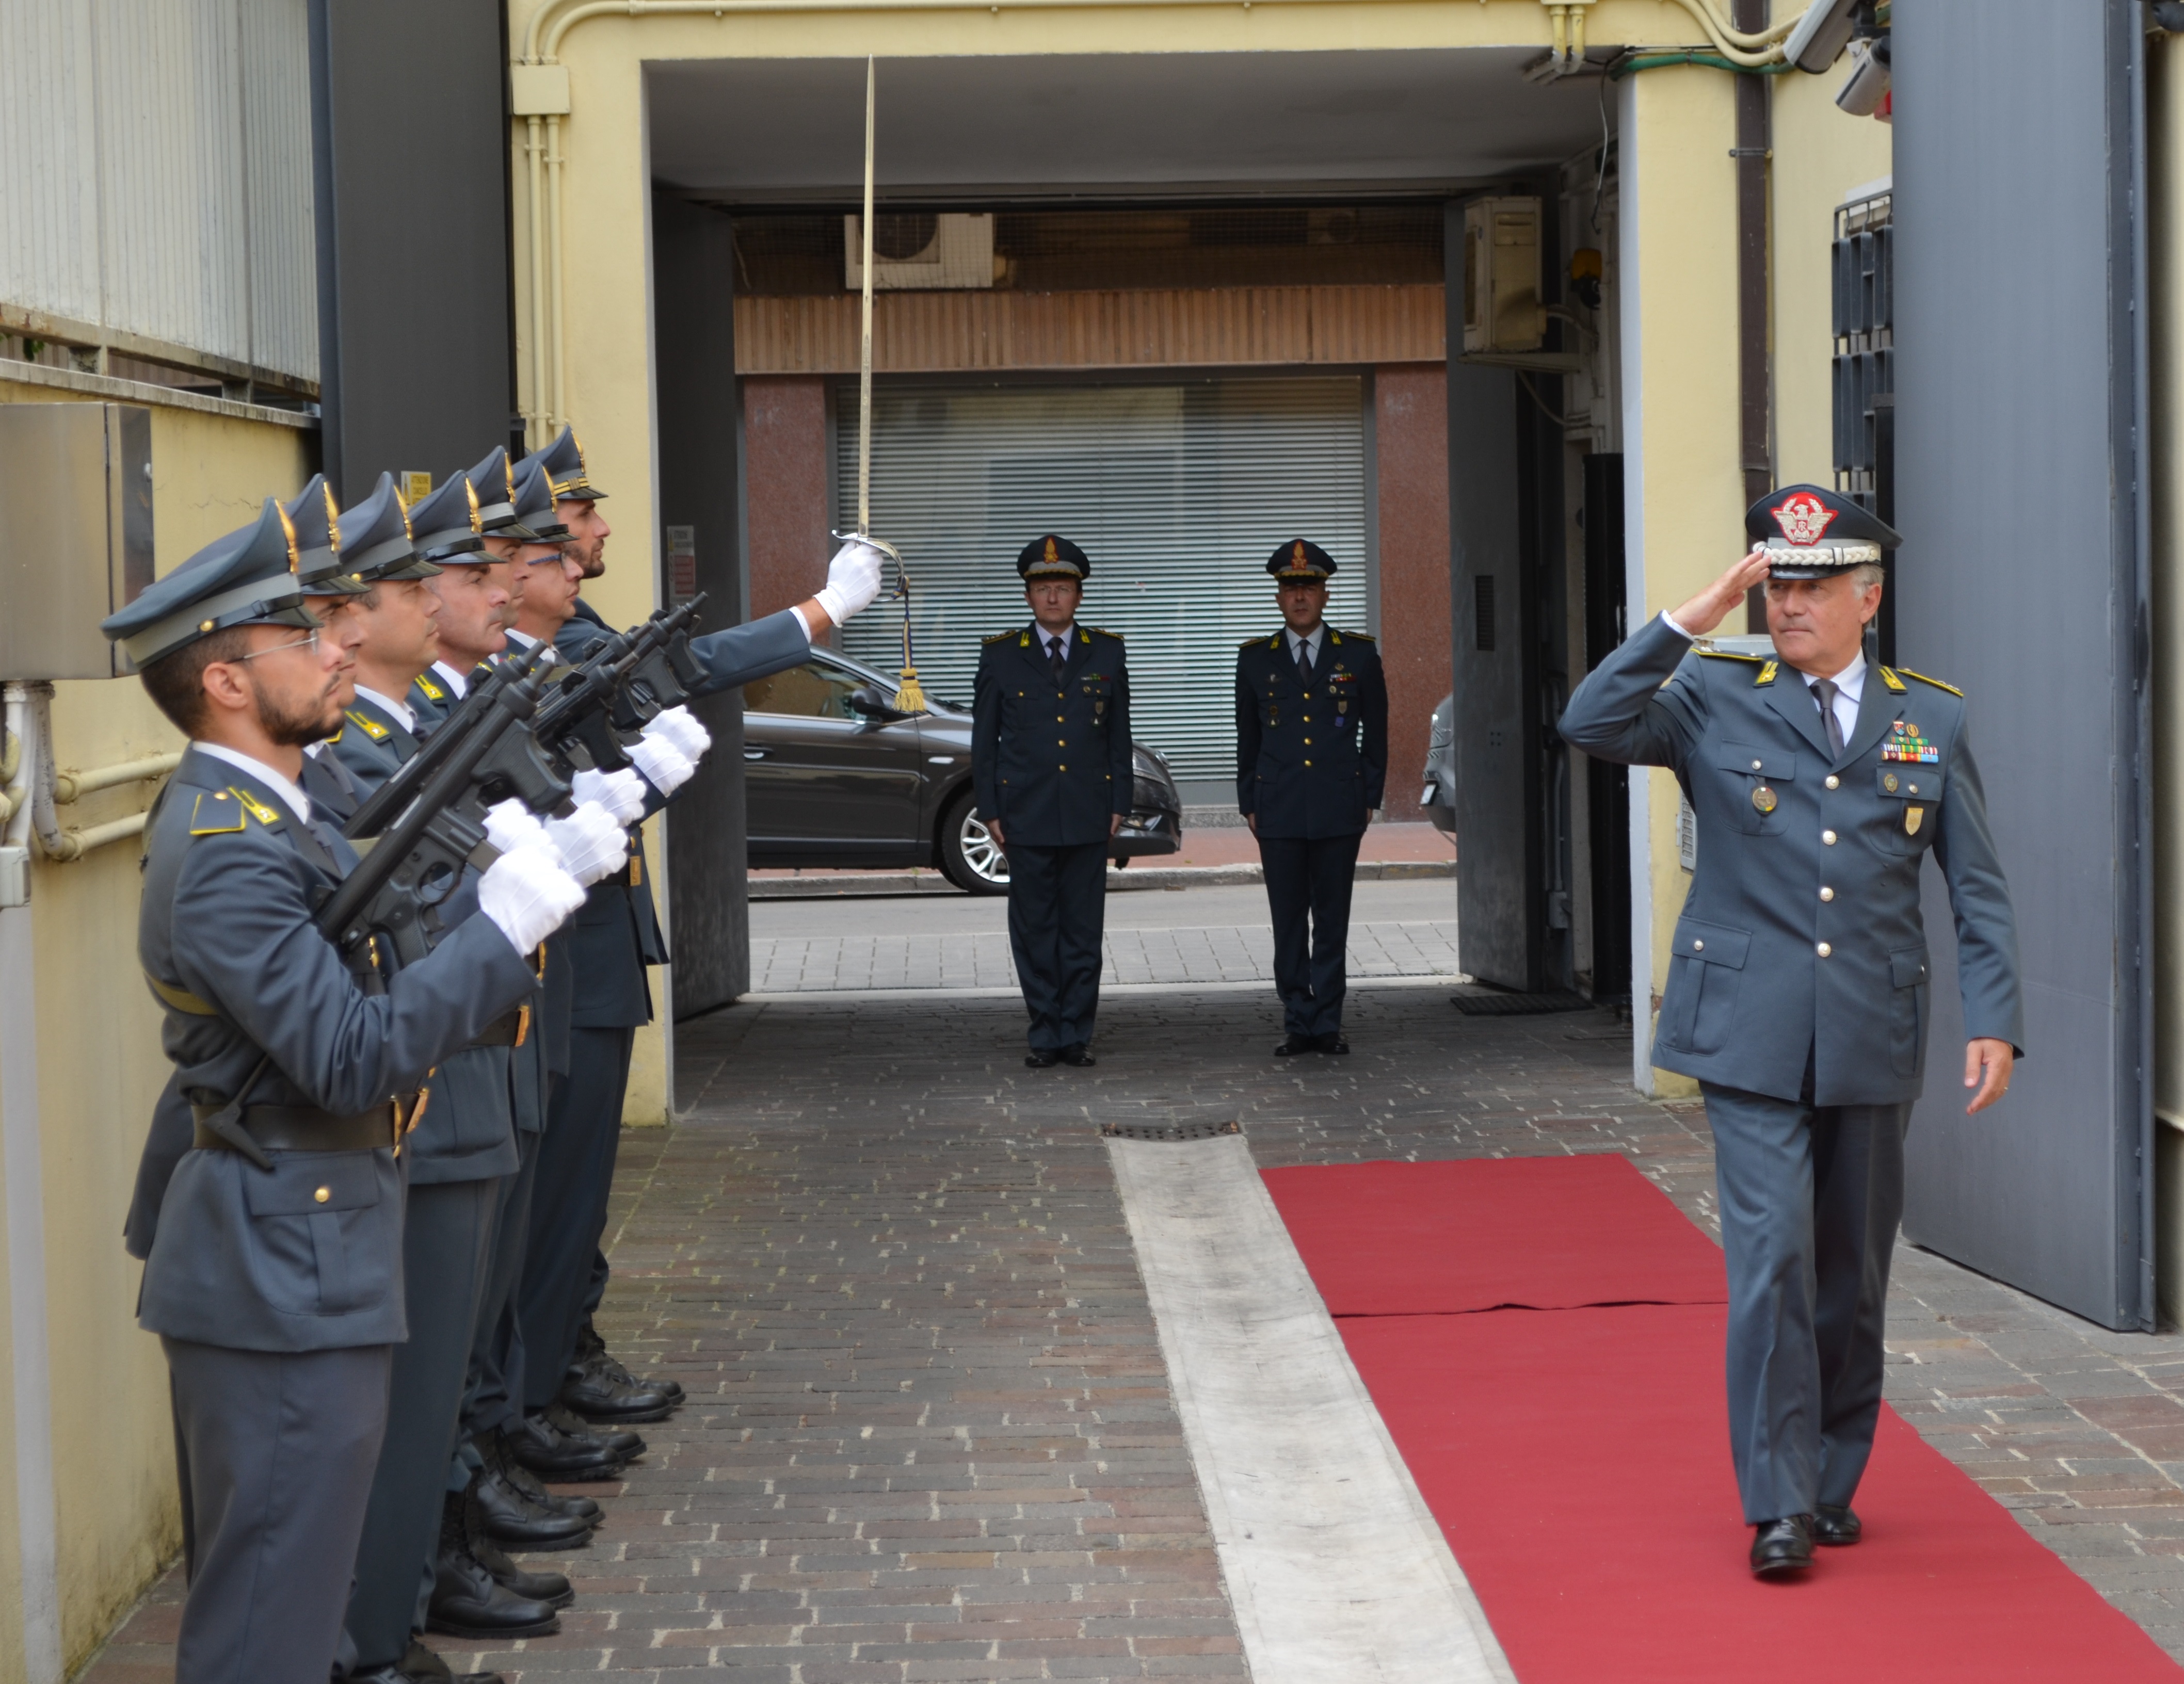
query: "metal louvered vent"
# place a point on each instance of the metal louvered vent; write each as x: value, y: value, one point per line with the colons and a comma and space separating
x: 1169, y: 1131
x: 1178, y: 493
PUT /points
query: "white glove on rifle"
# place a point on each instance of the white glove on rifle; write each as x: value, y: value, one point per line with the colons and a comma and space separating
x: 622, y: 792
x: 664, y: 766
x: 679, y: 726
x: 528, y: 897
x: 853, y: 579
x: 591, y: 844
x: 512, y: 826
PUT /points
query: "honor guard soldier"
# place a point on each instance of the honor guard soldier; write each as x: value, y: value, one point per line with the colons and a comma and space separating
x: 331, y: 593
x: 1797, y: 988
x: 392, y: 553
x: 275, y: 1278
x: 1054, y: 793
x: 1311, y: 761
x: 566, y: 1366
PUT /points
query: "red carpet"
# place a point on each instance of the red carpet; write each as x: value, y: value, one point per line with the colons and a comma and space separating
x: 1435, y: 1239
x: 1577, y: 1461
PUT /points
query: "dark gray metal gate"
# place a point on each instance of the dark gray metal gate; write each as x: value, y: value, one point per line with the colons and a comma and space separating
x: 2021, y: 425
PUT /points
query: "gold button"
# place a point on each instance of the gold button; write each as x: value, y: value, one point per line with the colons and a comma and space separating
x: 1307, y: 763
x: 323, y: 1194
x: 1059, y: 719
x: 1914, y: 789
x: 1823, y: 950
x: 1834, y: 782
x: 1061, y: 768
x: 1698, y: 946
x: 1828, y: 837
x: 1827, y: 894
x: 1307, y: 718
x: 1308, y: 743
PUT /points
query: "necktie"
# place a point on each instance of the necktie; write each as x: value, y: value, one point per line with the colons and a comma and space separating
x: 1304, y: 659
x: 1055, y: 658
x: 1824, y: 689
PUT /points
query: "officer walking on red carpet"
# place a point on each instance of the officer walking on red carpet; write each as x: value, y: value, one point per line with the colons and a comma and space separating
x: 1797, y: 988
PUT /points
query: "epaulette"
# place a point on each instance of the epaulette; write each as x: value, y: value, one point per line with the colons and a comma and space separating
x: 257, y: 809
x: 429, y: 688
x: 364, y: 723
x: 225, y: 815
x: 1728, y: 655
x: 999, y: 636
x: 1362, y: 636
x: 1104, y: 632
x: 1923, y: 679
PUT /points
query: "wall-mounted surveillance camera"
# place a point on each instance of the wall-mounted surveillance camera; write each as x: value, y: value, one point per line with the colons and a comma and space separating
x: 1821, y: 34
x: 1867, y: 85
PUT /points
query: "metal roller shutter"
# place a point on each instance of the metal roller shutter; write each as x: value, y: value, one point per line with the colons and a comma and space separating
x: 1177, y: 493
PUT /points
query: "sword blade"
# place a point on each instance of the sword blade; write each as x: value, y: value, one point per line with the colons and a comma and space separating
x: 865, y: 350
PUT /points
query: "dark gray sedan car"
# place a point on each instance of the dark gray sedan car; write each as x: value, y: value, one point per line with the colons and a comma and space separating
x: 834, y: 776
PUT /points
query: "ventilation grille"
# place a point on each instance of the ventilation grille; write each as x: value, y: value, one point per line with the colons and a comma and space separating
x: 1482, y: 603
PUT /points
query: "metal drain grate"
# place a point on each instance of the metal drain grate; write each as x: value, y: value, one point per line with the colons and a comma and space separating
x: 1169, y: 1131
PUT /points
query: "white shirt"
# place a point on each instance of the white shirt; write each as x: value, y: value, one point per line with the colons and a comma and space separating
x: 299, y: 802
x: 1850, y: 683
x: 1311, y: 641
x: 400, y: 711
x: 456, y: 681
x: 1047, y: 640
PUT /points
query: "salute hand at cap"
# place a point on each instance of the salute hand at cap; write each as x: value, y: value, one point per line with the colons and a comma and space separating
x: 665, y: 767
x: 1712, y: 605
x: 591, y: 843
x: 679, y: 726
x: 853, y: 579
x: 527, y: 896
x: 621, y: 793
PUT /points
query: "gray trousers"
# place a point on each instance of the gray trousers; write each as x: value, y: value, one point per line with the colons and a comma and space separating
x: 492, y: 1395
x: 277, y: 1452
x: 1811, y: 1198
x: 569, y: 1205
x: 444, y: 1261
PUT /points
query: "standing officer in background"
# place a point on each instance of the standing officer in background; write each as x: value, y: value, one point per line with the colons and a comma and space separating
x: 1311, y: 761
x: 273, y: 1276
x: 1796, y: 993
x: 1053, y: 795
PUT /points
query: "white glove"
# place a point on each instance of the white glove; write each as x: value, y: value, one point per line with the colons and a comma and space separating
x: 528, y: 897
x: 664, y: 766
x: 512, y: 826
x: 621, y: 793
x: 591, y: 844
x: 679, y: 726
x: 853, y: 579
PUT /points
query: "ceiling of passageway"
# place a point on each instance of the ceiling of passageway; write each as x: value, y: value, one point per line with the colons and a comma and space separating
x: 776, y: 128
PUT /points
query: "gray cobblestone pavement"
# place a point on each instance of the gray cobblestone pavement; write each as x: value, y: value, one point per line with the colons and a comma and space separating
x: 929, y: 1436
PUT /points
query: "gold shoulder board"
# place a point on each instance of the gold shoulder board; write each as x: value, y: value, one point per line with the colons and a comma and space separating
x: 258, y: 810
x: 216, y: 813
x: 1362, y: 636
x: 1728, y: 655
x: 1104, y: 632
x: 1923, y: 679
x: 999, y: 636
x: 364, y: 723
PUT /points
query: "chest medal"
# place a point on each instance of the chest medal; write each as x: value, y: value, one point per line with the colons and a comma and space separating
x: 1763, y: 798
x: 1912, y: 818
x: 1906, y: 745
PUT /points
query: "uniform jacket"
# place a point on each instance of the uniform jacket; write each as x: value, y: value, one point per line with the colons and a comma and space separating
x: 1751, y: 988
x: 255, y: 1260
x: 334, y: 794
x: 1053, y: 780
x: 1311, y: 763
x: 467, y: 1132
x: 616, y: 933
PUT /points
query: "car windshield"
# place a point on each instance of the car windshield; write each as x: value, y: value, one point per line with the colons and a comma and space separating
x: 809, y: 691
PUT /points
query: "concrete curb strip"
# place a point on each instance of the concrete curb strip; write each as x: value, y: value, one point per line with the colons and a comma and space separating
x: 850, y: 883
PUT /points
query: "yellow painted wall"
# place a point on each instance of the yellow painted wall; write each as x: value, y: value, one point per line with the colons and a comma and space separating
x: 100, y: 1069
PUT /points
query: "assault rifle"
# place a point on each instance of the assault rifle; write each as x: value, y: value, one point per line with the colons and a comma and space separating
x: 476, y: 708
x: 597, y: 709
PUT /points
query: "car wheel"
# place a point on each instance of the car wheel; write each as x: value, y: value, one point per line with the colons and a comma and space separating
x: 970, y: 858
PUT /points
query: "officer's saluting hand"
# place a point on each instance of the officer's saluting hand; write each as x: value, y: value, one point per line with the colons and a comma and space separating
x: 1797, y: 990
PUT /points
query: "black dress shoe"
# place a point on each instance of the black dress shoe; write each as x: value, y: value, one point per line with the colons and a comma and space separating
x: 593, y: 1358
x: 1784, y: 1546
x: 421, y: 1666
x: 596, y: 1395
x: 545, y: 1449
x: 1295, y: 1044
x: 627, y: 1446
x: 1080, y: 1055
x: 1330, y: 1044
x: 1836, y: 1526
x: 467, y: 1601
x: 1041, y: 1061
x: 503, y: 1470
x: 553, y: 1589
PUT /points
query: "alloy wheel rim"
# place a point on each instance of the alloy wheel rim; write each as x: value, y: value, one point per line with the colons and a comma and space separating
x: 981, y: 852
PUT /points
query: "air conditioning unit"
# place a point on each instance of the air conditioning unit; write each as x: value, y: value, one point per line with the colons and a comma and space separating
x: 1501, y: 308
x: 946, y: 250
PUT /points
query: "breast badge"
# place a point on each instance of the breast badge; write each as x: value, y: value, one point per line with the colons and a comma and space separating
x: 1905, y: 744
x: 1763, y: 798
x: 1912, y: 818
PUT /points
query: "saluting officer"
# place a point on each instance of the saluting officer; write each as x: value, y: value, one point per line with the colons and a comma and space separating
x: 1054, y: 794
x: 274, y: 1275
x: 1311, y: 762
x: 1796, y: 993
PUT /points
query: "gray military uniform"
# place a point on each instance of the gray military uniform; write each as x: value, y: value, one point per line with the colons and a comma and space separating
x: 1797, y: 994
x: 278, y: 1293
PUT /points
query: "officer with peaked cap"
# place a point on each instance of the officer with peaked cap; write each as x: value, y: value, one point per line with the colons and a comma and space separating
x: 387, y: 551
x: 1311, y: 762
x: 332, y: 591
x: 271, y: 1278
x: 612, y: 941
x: 1054, y: 794
x: 1797, y: 984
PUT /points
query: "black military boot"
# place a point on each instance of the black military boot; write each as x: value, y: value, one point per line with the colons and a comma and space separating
x: 521, y: 1514
x: 553, y: 1589
x: 626, y: 1445
x: 467, y: 1601
x: 421, y: 1666
x: 602, y: 1392
x: 548, y: 1450
x: 591, y: 1350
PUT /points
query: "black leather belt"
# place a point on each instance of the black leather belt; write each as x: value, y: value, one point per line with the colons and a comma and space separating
x: 508, y: 1031
x: 302, y: 1128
